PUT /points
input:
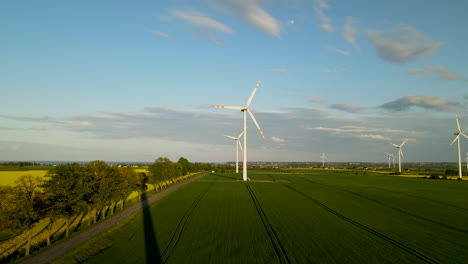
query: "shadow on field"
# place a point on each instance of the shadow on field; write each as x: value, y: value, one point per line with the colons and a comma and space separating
x: 151, y: 243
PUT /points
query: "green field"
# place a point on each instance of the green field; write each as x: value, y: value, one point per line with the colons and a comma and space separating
x: 300, y: 216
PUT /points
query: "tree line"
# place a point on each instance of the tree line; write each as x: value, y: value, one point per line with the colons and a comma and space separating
x: 68, y: 190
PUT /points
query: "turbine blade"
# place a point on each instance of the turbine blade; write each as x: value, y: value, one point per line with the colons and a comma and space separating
x: 229, y: 107
x: 240, y: 135
x: 253, y: 94
x: 406, y: 140
x: 463, y: 135
x: 456, y: 138
x: 240, y: 146
x: 458, y: 124
x: 255, y: 121
x: 229, y: 136
x: 402, y: 156
x: 395, y: 145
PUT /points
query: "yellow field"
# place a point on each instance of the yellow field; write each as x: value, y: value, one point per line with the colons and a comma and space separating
x: 9, y: 177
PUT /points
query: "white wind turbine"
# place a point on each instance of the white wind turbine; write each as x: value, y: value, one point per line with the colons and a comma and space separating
x: 400, y: 153
x: 394, y: 157
x: 457, y: 138
x: 466, y: 160
x: 245, y: 110
x: 238, y: 145
x: 323, y: 157
x: 389, y: 158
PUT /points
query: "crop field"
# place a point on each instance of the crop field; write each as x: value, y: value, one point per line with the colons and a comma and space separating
x: 9, y: 177
x: 300, y: 216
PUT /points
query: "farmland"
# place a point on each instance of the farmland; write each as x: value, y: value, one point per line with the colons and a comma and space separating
x: 300, y: 216
x: 9, y: 177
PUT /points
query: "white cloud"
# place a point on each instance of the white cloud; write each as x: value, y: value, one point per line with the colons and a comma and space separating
x: 320, y: 6
x: 347, y: 108
x: 373, y: 136
x: 342, y: 52
x: 251, y: 12
x: 318, y: 100
x: 422, y: 101
x: 160, y: 34
x: 198, y: 19
x: 440, y: 71
x: 402, y: 43
x: 276, y: 139
x: 82, y: 124
x: 349, y: 31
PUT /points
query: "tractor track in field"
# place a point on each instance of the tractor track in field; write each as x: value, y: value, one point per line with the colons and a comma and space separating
x: 390, y: 240
x: 275, y: 242
x: 454, y: 228
x: 167, y: 252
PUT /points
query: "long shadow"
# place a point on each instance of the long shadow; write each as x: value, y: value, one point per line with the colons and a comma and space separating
x: 151, y: 243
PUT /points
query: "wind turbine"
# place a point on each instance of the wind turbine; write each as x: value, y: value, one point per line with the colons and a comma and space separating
x: 466, y: 160
x: 323, y: 157
x: 394, y: 157
x: 238, y: 145
x: 245, y: 110
x: 389, y: 158
x: 400, y: 153
x: 457, y: 138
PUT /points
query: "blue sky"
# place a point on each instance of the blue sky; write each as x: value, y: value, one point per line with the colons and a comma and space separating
x: 125, y: 81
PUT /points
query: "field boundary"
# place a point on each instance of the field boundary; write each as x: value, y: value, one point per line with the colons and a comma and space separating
x: 390, y: 240
x: 73, y: 242
x: 181, y: 226
x: 275, y: 242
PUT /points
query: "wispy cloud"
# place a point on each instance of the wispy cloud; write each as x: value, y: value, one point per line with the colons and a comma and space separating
x: 276, y: 139
x: 362, y: 132
x: 402, y: 43
x: 423, y: 101
x: 160, y: 34
x: 251, y: 12
x: 198, y: 19
x: 339, y: 51
x: 277, y: 70
x: 318, y: 100
x: 82, y: 124
x: 349, y: 31
x: 320, y: 6
x: 439, y: 71
x: 347, y: 108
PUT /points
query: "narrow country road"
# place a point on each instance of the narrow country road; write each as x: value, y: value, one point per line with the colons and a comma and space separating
x: 69, y: 244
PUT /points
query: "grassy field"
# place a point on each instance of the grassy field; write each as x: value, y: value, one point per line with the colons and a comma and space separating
x: 301, y: 216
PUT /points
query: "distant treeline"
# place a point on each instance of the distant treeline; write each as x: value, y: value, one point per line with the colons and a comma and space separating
x: 19, y: 164
x: 69, y: 190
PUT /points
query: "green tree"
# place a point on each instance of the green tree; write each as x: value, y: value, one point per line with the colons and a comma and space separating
x: 66, y: 187
x: 140, y: 184
x: 129, y: 182
x: 160, y: 171
x: 185, y: 165
x: 26, y: 208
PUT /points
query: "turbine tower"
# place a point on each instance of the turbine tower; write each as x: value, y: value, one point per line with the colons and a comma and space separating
x: 457, y: 138
x: 394, y: 157
x: 400, y: 153
x: 238, y: 145
x: 245, y: 110
x: 389, y: 158
x: 466, y: 160
x: 323, y: 157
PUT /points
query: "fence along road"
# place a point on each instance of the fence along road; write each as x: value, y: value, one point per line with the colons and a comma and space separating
x: 69, y: 244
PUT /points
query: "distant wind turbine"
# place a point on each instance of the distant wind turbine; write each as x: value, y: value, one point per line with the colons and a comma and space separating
x: 238, y: 145
x: 457, y: 138
x: 245, y: 110
x: 389, y: 158
x: 400, y: 153
x: 466, y: 160
x: 323, y: 157
x: 394, y: 158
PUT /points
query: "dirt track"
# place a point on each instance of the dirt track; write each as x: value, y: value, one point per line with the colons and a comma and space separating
x: 69, y: 244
